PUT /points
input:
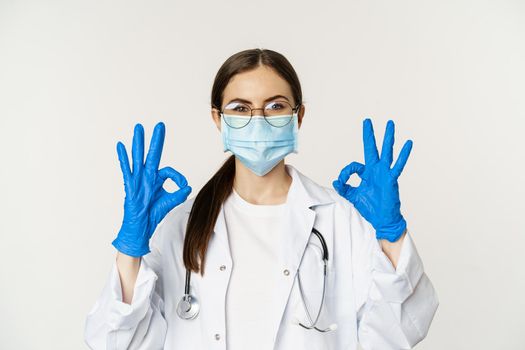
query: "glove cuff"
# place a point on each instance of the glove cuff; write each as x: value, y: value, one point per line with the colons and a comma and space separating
x: 130, y: 249
x: 392, y: 232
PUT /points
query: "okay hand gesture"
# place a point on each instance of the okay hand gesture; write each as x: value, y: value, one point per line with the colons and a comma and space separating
x: 377, y: 196
x: 146, y: 202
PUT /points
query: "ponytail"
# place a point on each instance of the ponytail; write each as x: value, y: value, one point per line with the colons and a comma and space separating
x: 204, y: 213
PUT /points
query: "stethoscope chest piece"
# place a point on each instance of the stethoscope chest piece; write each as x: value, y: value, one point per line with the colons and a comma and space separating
x: 188, y: 307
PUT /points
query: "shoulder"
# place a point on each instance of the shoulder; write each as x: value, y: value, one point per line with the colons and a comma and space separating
x: 322, y: 194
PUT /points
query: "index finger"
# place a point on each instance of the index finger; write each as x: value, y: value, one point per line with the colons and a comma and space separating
x: 178, y: 178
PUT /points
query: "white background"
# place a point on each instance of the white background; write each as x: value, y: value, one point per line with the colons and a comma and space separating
x: 76, y: 76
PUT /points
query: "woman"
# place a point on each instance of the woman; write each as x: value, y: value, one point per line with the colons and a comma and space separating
x: 289, y: 264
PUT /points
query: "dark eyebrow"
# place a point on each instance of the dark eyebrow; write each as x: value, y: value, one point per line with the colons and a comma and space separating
x: 248, y: 102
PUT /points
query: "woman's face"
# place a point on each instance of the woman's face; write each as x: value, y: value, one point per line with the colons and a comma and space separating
x: 256, y: 86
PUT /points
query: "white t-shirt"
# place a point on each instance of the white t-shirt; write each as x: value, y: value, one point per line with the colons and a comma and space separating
x: 254, y: 234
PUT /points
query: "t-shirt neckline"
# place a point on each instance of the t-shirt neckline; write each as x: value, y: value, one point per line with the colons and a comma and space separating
x: 256, y: 209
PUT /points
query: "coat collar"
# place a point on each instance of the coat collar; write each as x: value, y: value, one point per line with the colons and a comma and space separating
x: 303, y: 196
x: 305, y: 191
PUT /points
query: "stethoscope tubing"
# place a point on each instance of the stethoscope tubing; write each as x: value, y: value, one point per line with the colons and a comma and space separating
x: 188, y: 306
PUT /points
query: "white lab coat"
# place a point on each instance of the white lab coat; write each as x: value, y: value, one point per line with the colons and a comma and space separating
x: 372, y: 303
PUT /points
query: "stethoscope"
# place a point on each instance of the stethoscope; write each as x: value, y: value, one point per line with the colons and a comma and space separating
x: 188, y: 307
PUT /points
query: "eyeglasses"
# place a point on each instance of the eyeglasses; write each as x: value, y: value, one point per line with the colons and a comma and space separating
x: 277, y: 113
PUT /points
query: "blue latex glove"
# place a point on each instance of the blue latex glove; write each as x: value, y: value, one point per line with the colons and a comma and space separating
x: 146, y: 202
x: 377, y: 196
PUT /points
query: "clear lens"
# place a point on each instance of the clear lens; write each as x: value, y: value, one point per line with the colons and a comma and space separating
x: 277, y: 108
x: 237, y: 108
x: 279, y: 121
x: 277, y: 113
x: 236, y: 121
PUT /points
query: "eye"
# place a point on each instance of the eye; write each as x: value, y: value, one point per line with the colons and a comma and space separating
x: 240, y: 108
x: 275, y: 105
x: 237, y: 107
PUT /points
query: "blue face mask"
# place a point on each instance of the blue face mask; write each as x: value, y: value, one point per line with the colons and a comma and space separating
x: 259, y: 145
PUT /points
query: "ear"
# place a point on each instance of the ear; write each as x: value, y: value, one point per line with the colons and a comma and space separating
x: 300, y: 115
x: 216, y: 118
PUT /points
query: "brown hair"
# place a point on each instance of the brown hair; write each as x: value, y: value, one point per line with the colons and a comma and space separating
x: 210, y: 198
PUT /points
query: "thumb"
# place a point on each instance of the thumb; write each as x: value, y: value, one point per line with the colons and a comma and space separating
x: 345, y: 190
x: 168, y: 201
x: 173, y: 199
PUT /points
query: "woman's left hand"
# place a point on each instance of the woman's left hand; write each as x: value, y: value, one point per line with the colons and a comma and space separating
x: 377, y: 196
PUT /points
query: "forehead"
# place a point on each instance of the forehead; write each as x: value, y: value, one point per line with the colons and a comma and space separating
x: 256, y: 85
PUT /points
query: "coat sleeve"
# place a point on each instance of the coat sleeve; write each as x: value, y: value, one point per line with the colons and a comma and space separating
x: 395, y: 307
x: 113, y: 324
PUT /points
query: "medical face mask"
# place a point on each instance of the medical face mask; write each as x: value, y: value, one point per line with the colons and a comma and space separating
x: 259, y: 145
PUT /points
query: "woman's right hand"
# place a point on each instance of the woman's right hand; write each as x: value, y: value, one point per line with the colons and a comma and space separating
x: 146, y: 202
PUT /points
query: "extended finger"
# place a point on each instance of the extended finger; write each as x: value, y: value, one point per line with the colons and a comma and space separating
x: 369, y: 142
x: 137, y: 149
x: 155, y: 148
x: 388, y: 143
x: 402, y: 159
x: 178, y: 178
x: 124, y: 164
